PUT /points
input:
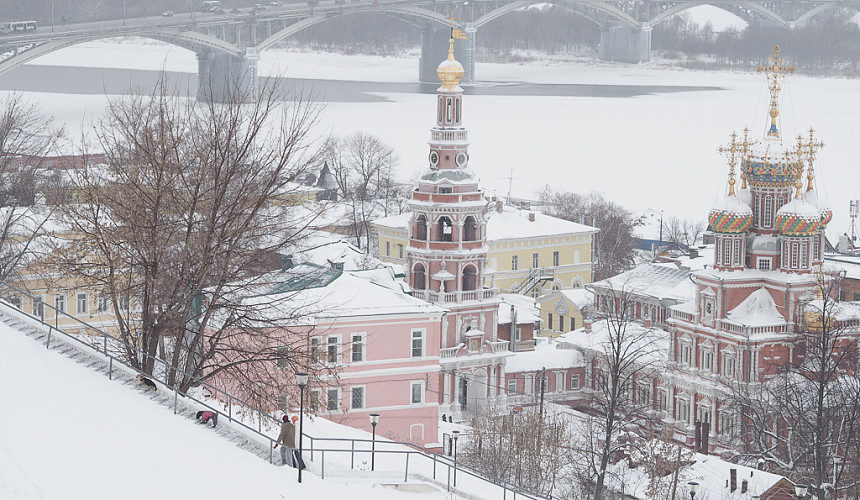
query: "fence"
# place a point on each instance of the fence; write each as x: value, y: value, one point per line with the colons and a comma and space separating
x: 425, y: 463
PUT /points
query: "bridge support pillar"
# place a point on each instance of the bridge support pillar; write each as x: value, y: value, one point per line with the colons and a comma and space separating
x: 619, y: 42
x: 434, y: 50
x: 221, y: 77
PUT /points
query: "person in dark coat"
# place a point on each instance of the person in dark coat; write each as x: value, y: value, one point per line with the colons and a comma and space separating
x: 287, y: 438
x: 205, y: 416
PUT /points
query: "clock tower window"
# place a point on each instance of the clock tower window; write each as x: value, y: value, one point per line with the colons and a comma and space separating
x: 421, y: 228
x: 418, y: 277
x: 470, y: 278
x: 446, y: 229
x: 470, y: 229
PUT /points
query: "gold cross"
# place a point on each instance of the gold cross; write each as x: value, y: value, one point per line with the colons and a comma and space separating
x: 774, y: 71
x: 731, y: 151
x: 746, y: 146
x: 808, y: 149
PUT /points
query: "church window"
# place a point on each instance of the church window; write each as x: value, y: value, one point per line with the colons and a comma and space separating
x: 418, y: 277
x: 439, y: 113
x: 816, y: 248
x: 736, y: 253
x: 682, y: 410
x: 707, y: 360
x: 727, y: 252
x: 446, y: 229
x: 768, y: 210
x: 728, y: 368
x: 794, y: 250
x: 763, y: 264
x: 470, y: 278
x: 421, y: 228
x: 448, y: 110
x: 470, y: 229
x: 780, y: 201
x: 804, y: 256
x: 457, y: 110
x: 684, y: 354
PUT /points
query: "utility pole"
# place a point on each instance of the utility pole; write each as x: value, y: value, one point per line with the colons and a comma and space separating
x: 542, y: 388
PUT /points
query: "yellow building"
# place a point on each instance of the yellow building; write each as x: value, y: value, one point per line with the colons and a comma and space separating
x: 563, y: 310
x: 528, y: 252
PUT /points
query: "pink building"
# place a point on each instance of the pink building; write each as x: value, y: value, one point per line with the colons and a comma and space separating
x: 381, y: 344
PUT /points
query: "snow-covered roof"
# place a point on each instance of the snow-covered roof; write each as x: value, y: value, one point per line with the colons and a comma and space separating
x: 713, y: 475
x: 511, y: 223
x: 320, y: 292
x: 651, y: 344
x: 337, y: 252
x: 661, y: 281
x: 851, y: 264
x: 758, y: 309
x: 525, y: 314
x: 546, y: 355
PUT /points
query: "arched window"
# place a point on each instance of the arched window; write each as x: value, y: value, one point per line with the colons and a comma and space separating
x: 470, y: 229
x: 421, y: 228
x: 470, y: 278
x: 768, y: 211
x: 418, y: 281
x: 449, y: 111
x: 440, y: 113
x: 457, y: 110
x: 446, y: 229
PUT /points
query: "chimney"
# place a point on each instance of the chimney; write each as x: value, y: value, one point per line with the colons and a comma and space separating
x: 500, y: 207
x: 733, y: 479
x: 694, y: 254
x: 586, y: 322
x: 647, y: 323
x: 531, y: 216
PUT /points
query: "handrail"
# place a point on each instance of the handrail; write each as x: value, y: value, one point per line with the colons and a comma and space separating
x: 103, y: 350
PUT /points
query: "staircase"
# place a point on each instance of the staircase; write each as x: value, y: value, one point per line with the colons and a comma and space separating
x: 98, y: 362
x: 535, y: 276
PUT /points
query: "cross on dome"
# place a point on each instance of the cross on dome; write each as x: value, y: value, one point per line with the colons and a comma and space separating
x: 808, y: 150
x: 775, y: 71
x: 731, y: 151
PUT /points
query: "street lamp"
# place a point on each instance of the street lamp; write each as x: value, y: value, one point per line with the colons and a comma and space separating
x: 800, y: 490
x: 302, y: 380
x: 693, y: 486
x: 837, y: 460
x: 456, y: 435
x: 374, y: 419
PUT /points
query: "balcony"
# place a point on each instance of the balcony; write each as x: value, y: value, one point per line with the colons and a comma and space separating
x: 500, y: 345
x: 449, y: 352
x: 455, y: 297
x: 449, y: 135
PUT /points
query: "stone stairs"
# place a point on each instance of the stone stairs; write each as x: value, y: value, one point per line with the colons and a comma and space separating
x: 98, y: 362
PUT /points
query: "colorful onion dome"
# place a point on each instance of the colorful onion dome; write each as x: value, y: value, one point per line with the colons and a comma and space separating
x: 769, y: 164
x: 797, y: 218
x: 824, y: 210
x: 730, y: 215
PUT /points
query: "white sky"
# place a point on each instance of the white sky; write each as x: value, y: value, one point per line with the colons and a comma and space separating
x: 653, y: 151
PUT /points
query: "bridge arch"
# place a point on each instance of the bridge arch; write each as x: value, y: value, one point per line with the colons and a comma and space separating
x: 751, y: 6
x: 606, y: 8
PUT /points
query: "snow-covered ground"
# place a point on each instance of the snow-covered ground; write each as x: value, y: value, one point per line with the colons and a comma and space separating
x: 654, y: 151
x: 67, y: 432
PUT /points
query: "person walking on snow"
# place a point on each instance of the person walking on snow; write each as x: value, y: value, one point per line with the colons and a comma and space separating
x: 287, y: 438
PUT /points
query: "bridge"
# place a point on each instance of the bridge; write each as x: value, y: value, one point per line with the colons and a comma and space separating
x: 228, y: 45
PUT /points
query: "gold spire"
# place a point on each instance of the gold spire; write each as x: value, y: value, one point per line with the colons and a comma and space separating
x: 746, y: 146
x: 809, y: 150
x: 774, y: 72
x: 731, y: 151
x: 450, y: 71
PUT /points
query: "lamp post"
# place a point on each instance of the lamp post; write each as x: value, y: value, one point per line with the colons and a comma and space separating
x: 302, y: 380
x: 837, y: 461
x: 693, y: 486
x: 456, y: 435
x: 800, y: 490
x: 374, y: 419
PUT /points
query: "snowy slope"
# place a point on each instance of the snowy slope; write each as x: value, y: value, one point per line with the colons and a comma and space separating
x: 67, y: 432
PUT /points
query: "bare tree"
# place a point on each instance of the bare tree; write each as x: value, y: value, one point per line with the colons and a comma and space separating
x: 361, y: 165
x: 683, y: 233
x: 26, y: 136
x: 798, y: 418
x: 615, y: 245
x: 178, y: 226
x: 530, y: 450
x: 625, y: 356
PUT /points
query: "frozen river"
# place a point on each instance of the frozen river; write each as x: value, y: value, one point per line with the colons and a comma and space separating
x: 645, y: 136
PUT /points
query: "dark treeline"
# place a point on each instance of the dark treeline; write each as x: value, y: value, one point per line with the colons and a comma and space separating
x: 828, y: 44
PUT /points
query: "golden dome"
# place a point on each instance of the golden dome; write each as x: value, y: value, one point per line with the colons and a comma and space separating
x: 450, y: 70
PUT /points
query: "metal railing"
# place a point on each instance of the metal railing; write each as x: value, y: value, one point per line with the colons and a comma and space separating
x: 106, y: 343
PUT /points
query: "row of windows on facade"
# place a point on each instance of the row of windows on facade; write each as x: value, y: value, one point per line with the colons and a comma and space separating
x: 532, y: 383
x: 795, y: 254
x: 642, y: 396
x: 331, y: 351
x: 561, y: 321
x: 445, y: 229
x: 707, y: 360
x: 468, y: 282
x: 82, y: 304
x: 329, y: 400
x: 637, y: 310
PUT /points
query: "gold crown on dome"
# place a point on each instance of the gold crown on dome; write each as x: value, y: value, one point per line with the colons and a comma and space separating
x: 450, y: 70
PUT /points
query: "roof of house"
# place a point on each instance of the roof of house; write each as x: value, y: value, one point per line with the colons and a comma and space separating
x: 661, y: 281
x: 511, y: 223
